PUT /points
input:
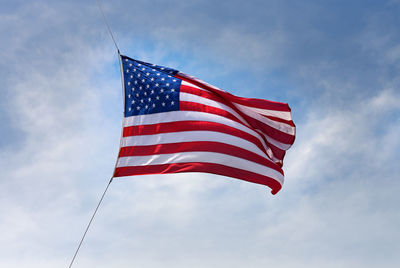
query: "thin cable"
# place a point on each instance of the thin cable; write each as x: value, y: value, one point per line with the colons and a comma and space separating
x: 108, y: 26
x: 108, y: 185
x: 90, y: 222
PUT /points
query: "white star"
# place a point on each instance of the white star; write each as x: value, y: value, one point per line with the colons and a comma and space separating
x: 152, y: 91
x: 158, y: 74
x: 173, y: 80
x: 167, y: 97
x: 129, y: 83
x: 129, y: 109
x: 152, y: 79
x: 172, y: 102
x: 167, y: 84
x: 163, y: 104
x: 147, y: 74
x: 145, y: 93
x: 139, y: 64
x: 169, y: 75
x: 138, y: 108
x: 127, y: 70
x: 129, y: 95
x: 134, y: 69
x: 157, y: 97
x: 140, y: 87
x: 137, y: 94
x: 130, y: 64
x: 133, y: 102
x: 133, y: 89
x: 156, y: 84
x: 147, y: 106
x: 162, y: 79
x: 138, y: 75
x: 126, y: 59
x: 162, y: 68
x: 141, y: 100
x: 147, y: 85
x: 161, y: 90
x: 143, y: 80
x: 131, y: 76
x: 143, y: 69
x: 135, y: 82
x: 154, y: 105
x: 173, y: 90
x: 149, y: 99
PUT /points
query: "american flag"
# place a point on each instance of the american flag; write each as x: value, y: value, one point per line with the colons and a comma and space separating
x: 174, y: 123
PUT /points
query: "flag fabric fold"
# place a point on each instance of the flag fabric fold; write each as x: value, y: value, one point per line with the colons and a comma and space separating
x: 175, y: 123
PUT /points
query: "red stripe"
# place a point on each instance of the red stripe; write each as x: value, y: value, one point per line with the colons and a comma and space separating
x: 181, y: 126
x: 256, y: 103
x: 255, y: 124
x: 204, y: 94
x: 198, y: 146
x: 278, y: 153
x: 259, y: 103
x: 269, y: 131
x: 199, y: 107
x: 211, y: 96
x: 200, y: 167
x: 277, y: 119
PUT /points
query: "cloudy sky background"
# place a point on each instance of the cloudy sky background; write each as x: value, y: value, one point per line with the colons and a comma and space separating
x: 335, y: 62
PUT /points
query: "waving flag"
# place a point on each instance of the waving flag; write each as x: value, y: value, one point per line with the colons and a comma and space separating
x: 174, y: 123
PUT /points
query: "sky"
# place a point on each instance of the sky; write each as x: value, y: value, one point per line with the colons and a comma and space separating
x: 335, y: 62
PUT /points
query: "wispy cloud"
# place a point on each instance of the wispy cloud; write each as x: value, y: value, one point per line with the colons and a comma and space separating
x: 60, y: 125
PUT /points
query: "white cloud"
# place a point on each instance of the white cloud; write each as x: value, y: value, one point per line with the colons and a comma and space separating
x: 338, y: 207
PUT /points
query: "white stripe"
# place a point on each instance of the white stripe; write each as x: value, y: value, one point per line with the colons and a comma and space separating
x: 189, y: 136
x: 173, y: 116
x: 250, y: 111
x: 280, y: 145
x: 201, y: 157
x: 199, y: 81
x: 198, y: 99
x: 280, y: 114
x: 277, y: 125
x: 185, y: 83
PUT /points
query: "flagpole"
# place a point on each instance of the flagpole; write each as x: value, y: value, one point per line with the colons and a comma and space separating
x: 90, y: 222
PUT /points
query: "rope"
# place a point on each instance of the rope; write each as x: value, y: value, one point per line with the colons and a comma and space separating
x: 108, y: 26
x: 90, y: 222
x: 108, y: 185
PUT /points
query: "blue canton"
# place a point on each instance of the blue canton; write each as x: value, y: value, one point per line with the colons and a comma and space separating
x: 149, y: 88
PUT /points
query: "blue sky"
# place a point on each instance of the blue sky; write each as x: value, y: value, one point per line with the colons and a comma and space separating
x: 335, y: 62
